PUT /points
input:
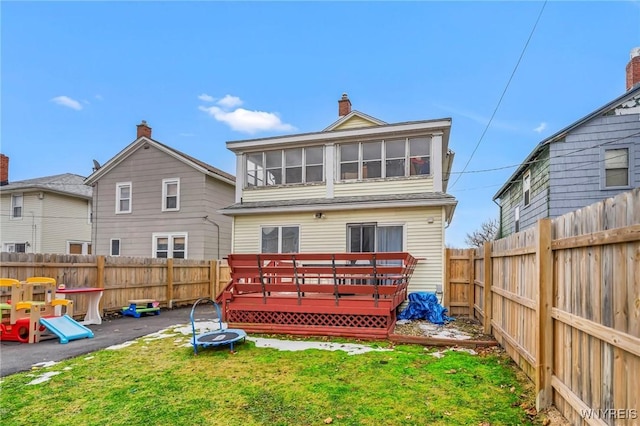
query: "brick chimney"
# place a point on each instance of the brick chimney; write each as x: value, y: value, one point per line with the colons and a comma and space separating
x: 344, y: 105
x: 144, y: 130
x: 633, y: 69
x: 4, y: 170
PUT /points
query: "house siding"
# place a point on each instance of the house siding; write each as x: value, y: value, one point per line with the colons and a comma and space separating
x: 539, y: 200
x: 577, y: 167
x: 355, y: 122
x: 384, y: 187
x: 64, y: 219
x: 422, y: 239
x: 28, y: 228
x: 217, y: 195
x: 296, y: 192
x: 145, y: 169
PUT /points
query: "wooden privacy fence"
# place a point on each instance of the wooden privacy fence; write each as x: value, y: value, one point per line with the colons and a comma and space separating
x: 563, y: 299
x: 172, y: 282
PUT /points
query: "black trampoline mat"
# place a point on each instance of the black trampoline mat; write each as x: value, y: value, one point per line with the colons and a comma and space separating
x: 218, y: 337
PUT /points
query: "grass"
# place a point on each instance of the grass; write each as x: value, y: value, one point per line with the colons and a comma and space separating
x: 161, y: 382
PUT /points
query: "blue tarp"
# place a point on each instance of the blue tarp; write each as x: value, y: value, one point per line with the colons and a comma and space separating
x: 423, y: 305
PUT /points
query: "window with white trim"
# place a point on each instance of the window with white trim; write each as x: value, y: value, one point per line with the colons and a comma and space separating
x: 170, y: 194
x: 285, y: 166
x: 123, y: 197
x: 16, y: 206
x: 516, y: 214
x: 78, y: 247
x: 385, y: 159
x: 114, y: 247
x: 280, y: 239
x: 373, y: 237
x: 15, y: 247
x: 616, y: 167
x: 170, y: 246
x: 526, y: 187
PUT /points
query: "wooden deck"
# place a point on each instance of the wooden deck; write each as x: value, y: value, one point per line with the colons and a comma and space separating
x: 336, y: 294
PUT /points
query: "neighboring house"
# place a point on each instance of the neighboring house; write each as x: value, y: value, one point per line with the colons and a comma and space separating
x: 49, y: 214
x: 592, y: 159
x: 360, y: 185
x: 151, y: 200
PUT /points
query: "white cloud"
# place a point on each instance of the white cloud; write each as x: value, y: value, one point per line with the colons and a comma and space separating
x: 99, y: 97
x: 541, y: 128
x: 67, y: 102
x: 246, y: 121
x: 206, y: 98
x: 229, y: 102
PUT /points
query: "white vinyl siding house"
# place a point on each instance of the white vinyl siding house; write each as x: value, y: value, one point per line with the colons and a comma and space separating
x: 359, y: 185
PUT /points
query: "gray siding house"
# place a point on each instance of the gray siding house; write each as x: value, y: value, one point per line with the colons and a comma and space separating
x: 592, y: 159
x: 151, y: 200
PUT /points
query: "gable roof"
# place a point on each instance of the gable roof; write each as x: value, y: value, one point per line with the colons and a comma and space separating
x: 187, y: 159
x: 66, y: 184
x: 352, y: 116
x: 562, y: 133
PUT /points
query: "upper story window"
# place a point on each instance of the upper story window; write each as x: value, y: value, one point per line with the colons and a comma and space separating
x: 526, y: 187
x: 285, y: 166
x: 616, y: 167
x: 123, y: 197
x: 16, y: 206
x: 170, y: 194
x: 385, y: 159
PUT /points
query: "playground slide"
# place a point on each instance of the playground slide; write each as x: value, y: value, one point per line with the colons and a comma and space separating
x: 66, y: 328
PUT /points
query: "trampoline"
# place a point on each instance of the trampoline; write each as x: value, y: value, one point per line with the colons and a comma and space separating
x: 220, y: 337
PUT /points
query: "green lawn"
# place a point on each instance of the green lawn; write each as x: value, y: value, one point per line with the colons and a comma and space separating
x: 161, y: 382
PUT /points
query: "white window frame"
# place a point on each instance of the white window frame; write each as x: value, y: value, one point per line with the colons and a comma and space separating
x: 111, y: 253
x: 119, y: 186
x: 630, y: 166
x: 165, y: 195
x: 279, y: 227
x: 407, y: 159
x: 375, y: 235
x: 85, y: 246
x: 11, y: 247
x: 261, y: 177
x: 171, y: 236
x: 526, y: 188
x: 516, y: 215
x: 14, y: 206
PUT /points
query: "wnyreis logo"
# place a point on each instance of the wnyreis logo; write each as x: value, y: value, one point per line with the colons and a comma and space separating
x: 610, y: 413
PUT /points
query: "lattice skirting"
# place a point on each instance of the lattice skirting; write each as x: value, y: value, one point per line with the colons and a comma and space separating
x: 309, y: 319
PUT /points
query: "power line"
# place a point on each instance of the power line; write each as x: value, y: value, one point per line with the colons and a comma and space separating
x: 503, y: 93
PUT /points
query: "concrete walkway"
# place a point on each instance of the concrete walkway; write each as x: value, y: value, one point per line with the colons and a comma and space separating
x: 16, y: 357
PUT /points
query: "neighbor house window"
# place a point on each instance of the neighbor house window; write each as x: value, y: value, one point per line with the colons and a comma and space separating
x: 78, y: 247
x: 516, y: 214
x: 280, y: 239
x: 616, y: 167
x: 15, y: 247
x: 385, y: 159
x: 114, y: 249
x: 285, y: 166
x: 123, y: 197
x: 170, y: 194
x: 526, y: 188
x: 16, y: 206
x: 370, y: 237
x: 170, y: 246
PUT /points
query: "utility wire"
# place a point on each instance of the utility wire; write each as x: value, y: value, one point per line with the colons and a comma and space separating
x: 502, y: 95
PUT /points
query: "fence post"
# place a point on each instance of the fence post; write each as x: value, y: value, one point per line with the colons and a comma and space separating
x: 488, y: 282
x: 213, y: 279
x: 170, y: 283
x: 100, y: 279
x: 472, y: 283
x: 447, y: 279
x: 544, y: 326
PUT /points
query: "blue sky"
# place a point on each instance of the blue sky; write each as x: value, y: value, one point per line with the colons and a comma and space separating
x: 76, y: 77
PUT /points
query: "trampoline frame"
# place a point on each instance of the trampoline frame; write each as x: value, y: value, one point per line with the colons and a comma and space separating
x: 197, y: 339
